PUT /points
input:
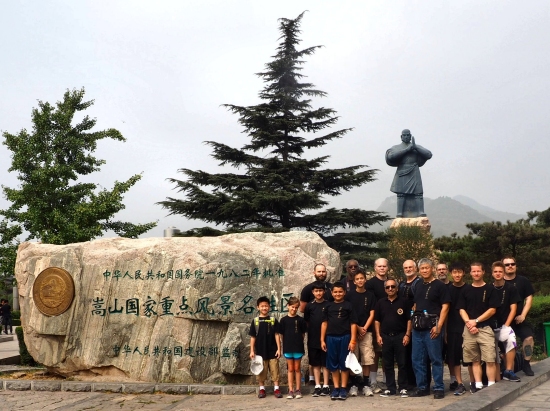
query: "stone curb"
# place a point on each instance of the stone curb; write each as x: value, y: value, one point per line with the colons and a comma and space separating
x: 126, y: 388
x: 503, y: 393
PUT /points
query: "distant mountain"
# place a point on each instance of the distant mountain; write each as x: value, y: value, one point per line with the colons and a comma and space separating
x: 495, y: 215
x: 450, y: 215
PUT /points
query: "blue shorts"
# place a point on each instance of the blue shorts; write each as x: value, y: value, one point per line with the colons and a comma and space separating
x: 293, y: 355
x: 337, y: 351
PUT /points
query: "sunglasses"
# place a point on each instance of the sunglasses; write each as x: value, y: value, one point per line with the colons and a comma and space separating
x: 509, y: 264
x: 390, y: 287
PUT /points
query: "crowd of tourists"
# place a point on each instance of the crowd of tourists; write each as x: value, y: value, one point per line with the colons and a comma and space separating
x: 431, y: 319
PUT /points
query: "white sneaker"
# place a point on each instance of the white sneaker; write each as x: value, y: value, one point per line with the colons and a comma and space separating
x: 367, y: 392
x: 375, y: 388
x: 404, y: 393
x: 353, y: 391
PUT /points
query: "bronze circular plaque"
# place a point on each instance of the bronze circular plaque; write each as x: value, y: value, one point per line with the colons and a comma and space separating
x: 53, y: 291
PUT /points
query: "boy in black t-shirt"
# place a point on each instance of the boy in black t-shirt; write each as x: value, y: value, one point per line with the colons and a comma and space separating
x: 338, y: 334
x: 314, y: 315
x: 264, y: 341
x: 292, y: 330
x: 363, y: 302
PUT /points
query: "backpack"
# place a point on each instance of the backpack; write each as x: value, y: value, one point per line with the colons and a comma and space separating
x: 269, y: 322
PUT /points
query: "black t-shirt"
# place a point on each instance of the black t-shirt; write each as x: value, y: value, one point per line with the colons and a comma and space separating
x: 293, y: 329
x: 376, y: 286
x: 339, y: 316
x: 406, y: 290
x: 350, y: 286
x: 507, y: 295
x: 476, y: 300
x: 362, y: 303
x: 393, y: 315
x: 307, y: 292
x: 455, y: 323
x: 5, y: 310
x: 266, y: 345
x: 524, y: 288
x: 314, y: 315
x: 431, y: 296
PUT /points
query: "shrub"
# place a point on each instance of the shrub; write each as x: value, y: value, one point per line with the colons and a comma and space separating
x: 539, y: 313
x: 26, y: 358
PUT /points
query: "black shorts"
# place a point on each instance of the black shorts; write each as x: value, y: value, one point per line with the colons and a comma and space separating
x: 317, y: 357
x: 523, y: 330
x: 454, y: 348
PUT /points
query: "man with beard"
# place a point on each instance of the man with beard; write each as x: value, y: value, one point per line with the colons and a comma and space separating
x: 442, y: 272
x: 521, y: 327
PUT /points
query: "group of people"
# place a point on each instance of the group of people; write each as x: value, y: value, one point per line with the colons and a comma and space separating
x: 418, y: 324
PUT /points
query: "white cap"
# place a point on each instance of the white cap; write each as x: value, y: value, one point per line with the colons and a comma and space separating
x: 256, y: 365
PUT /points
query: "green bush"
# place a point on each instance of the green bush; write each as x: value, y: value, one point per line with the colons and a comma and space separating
x: 26, y: 358
x: 539, y: 313
x: 16, y: 323
x: 16, y: 315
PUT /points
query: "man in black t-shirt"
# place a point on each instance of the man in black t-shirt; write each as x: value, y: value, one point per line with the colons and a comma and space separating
x: 509, y: 299
x: 320, y: 273
x: 432, y: 300
x: 352, y: 267
x: 393, y: 333
x: 520, y: 326
x: 478, y: 305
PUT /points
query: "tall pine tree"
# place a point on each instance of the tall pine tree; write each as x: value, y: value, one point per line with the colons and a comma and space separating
x: 280, y: 189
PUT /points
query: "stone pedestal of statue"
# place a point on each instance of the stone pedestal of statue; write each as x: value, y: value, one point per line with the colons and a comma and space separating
x: 423, y: 222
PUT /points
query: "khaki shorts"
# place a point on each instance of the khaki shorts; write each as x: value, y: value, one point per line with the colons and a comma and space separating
x: 479, y: 347
x: 364, y: 350
x: 273, y: 366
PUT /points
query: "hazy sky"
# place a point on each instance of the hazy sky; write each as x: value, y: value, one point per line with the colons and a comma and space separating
x: 470, y: 79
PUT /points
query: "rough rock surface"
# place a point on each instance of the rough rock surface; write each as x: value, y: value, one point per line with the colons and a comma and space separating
x: 423, y: 222
x: 164, y: 309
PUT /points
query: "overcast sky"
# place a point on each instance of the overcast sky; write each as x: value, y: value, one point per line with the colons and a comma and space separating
x: 470, y: 79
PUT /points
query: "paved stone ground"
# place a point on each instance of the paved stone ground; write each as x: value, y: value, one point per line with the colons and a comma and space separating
x: 536, y: 399
x: 71, y: 401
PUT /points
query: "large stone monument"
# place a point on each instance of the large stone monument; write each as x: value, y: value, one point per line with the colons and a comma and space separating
x: 408, y: 157
x: 159, y: 309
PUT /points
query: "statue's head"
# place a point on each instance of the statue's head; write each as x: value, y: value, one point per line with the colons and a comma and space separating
x: 406, y: 136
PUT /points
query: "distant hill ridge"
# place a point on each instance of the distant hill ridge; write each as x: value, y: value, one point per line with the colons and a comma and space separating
x: 450, y: 215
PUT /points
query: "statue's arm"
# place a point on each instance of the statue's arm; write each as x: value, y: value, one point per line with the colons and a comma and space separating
x: 424, y: 152
x: 394, y: 155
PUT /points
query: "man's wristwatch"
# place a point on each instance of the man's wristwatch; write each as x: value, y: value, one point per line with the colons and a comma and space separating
x: 477, y: 320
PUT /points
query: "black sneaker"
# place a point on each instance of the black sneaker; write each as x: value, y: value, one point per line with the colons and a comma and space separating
x: 325, y: 391
x: 461, y: 389
x: 527, y: 369
x: 453, y: 386
x: 473, y: 388
x: 316, y: 392
x: 420, y: 393
x: 439, y: 394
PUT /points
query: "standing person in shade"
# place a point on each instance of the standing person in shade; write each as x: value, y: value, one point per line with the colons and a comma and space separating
x: 406, y: 291
x: 320, y: 274
x: 376, y: 286
x: 393, y: 332
x: 5, y: 310
x: 314, y: 315
x: 520, y: 326
x: 292, y: 330
x: 338, y: 337
x: 264, y: 341
x: 431, y: 301
x: 506, y: 313
x: 478, y: 304
x: 352, y: 266
x: 363, y: 302
x: 454, y: 330
x: 442, y: 273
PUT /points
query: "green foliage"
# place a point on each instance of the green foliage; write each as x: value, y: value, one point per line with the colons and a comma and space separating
x: 524, y: 240
x: 50, y: 204
x: 8, y: 250
x: 16, y: 314
x: 280, y: 188
x: 408, y: 242
x: 539, y: 314
x: 26, y: 358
